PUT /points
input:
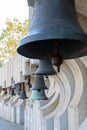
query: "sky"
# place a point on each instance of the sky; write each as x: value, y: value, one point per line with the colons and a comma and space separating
x: 12, y: 9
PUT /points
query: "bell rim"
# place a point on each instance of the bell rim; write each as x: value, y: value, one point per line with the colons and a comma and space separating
x: 39, y: 98
x: 36, y: 88
x: 30, y: 40
x: 45, y: 73
x: 23, y: 98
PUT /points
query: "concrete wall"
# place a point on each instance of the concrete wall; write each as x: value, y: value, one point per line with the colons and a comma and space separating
x: 66, y: 108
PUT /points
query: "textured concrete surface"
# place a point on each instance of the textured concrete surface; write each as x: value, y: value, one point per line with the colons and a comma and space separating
x: 5, y: 125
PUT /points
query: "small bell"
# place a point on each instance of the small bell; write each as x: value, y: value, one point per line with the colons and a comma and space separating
x: 22, y: 92
x: 45, y: 68
x: 13, y: 84
x: 39, y: 83
x: 18, y: 88
x: 12, y: 93
x: 5, y: 91
x: 38, y: 95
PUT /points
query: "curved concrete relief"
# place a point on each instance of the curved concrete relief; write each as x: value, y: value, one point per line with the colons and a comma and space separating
x: 77, y: 107
x: 83, y: 126
x: 69, y: 83
x: 83, y: 22
x: 84, y: 60
x: 78, y: 82
x: 51, y: 87
x: 61, y: 98
x: 81, y: 7
x: 73, y: 106
x: 82, y: 107
x: 53, y: 100
x: 47, y: 113
x: 47, y: 103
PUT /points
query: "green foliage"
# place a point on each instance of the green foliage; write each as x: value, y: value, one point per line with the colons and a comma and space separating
x: 10, y: 37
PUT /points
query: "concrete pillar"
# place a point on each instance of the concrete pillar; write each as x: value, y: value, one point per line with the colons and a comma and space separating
x: 8, y: 106
x: 4, y: 100
x: 20, y: 111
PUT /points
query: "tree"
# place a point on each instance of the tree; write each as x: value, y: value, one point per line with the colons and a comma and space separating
x: 10, y: 37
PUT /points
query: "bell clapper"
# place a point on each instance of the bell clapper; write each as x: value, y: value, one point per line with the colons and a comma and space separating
x: 39, y: 90
x: 57, y: 59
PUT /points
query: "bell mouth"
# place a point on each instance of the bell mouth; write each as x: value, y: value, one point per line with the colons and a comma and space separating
x: 45, y: 49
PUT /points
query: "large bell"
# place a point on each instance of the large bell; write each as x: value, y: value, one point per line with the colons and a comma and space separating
x: 22, y: 92
x: 39, y: 83
x: 45, y: 68
x: 38, y: 95
x: 54, y: 32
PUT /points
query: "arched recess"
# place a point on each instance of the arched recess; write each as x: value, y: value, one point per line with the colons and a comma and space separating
x: 68, y: 90
x: 81, y: 7
x: 78, y: 82
x: 61, y: 97
x: 59, y: 100
x: 77, y: 107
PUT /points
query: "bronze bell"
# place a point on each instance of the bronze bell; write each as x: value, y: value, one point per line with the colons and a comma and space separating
x: 12, y: 93
x: 18, y: 89
x: 45, y: 68
x: 22, y: 92
x: 39, y: 83
x: 5, y: 91
x: 12, y: 90
x: 38, y: 95
x: 54, y: 32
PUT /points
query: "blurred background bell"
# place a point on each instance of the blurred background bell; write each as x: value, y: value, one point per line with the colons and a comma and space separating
x: 45, y: 68
x: 12, y: 92
x: 22, y: 92
x: 38, y: 95
x: 18, y: 89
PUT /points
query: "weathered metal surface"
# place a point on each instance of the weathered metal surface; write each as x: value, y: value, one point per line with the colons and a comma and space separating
x: 81, y: 6
x: 45, y: 68
x: 54, y: 30
x: 39, y: 83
